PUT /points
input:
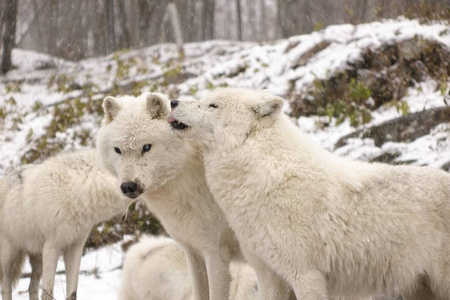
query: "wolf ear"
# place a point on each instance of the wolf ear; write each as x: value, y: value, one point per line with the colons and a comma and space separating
x: 111, y: 107
x: 268, y: 107
x: 157, y: 105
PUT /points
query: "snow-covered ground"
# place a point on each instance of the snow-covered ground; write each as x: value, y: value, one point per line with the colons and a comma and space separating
x: 99, y: 276
x: 273, y: 66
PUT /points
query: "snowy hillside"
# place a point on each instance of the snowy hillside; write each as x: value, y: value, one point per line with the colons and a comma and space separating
x: 47, y: 104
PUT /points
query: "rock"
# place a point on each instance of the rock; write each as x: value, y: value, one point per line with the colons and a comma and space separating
x: 436, y: 58
x: 410, y: 49
x: 381, y: 58
x: 403, y: 129
x: 367, y: 77
x: 44, y: 64
x: 303, y: 59
x: 390, y: 84
x: 291, y: 45
x: 446, y: 167
x: 418, y: 71
x: 387, y: 71
x: 386, y: 157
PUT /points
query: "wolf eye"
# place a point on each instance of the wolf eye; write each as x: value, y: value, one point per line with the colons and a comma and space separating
x: 146, y: 148
x: 212, y: 105
x: 117, y: 150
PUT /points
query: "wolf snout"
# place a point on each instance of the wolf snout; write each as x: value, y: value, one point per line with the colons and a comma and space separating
x: 130, y: 189
x: 174, y: 103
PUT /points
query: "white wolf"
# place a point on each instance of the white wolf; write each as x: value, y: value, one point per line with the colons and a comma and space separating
x: 49, y: 209
x: 326, y: 224
x: 156, y: 268
x: 138, y: 146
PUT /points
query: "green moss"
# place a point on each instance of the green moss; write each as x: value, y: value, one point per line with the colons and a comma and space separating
x: 400, y: 105
x: 37, y: 105
x: 443, y: 85
x: 11, y: 101
x: 2, y: 113
x: 171, y: 73
x: 358, y: 92
x: 351, y: 106
x: 51, y: 81
x: 193, y: 90
x: 116, y: 90
x: 318, y: 26
x: 29, y: 135
x: 14, y: 87
x: 137, y: 87
x: 153, y: 88
x: 64, y: 83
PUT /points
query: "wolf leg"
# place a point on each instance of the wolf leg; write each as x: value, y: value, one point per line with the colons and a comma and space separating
x: 36, y: 273
x: 50, y: 256
x: 72, y: 260
x: 197, y: 270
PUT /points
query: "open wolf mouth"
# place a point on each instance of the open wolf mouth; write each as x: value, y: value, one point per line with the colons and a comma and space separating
x: 176, y: 124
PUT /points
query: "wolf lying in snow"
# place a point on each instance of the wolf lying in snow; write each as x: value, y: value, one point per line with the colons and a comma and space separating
x: 326, y: 224
x: 156, y: 268
x: 49, y: 209
x: 138, y: 146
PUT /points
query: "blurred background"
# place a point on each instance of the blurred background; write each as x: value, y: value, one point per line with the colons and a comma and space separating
x: 84, y: 28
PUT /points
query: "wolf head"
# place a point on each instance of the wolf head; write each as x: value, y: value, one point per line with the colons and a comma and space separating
x: 225, y: 117
x: 137, y: 145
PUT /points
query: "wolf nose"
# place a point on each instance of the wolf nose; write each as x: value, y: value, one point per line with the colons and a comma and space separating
x: 128, y: 187
x: 174, y: 103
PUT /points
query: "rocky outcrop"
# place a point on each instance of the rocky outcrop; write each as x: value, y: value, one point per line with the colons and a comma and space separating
x: 403, y: 129
x: 386, y: 71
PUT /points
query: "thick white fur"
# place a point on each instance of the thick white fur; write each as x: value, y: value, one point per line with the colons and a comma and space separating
x: 326, y: 224
x: 172, y: 181
x: 156, y: 268
x: 49, y: 209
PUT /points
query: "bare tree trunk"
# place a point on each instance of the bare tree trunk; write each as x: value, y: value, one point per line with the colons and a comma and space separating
x: 9, y: 37
x: 133, y: 22
x: 307, y: 23
x: 263, y: 23
x: 294, y: 17
x: 183, y: 6
x: 73, y: 31
x: 151, y: 13
x: 80, y: 33
x: 189, y: 27
x: 250, y: 23
x: 208, y: 19
x: 176, y: 26
x: 239, y: 19
x: 362, y: 11
x: 2, y: 15
x: 350, y: 15
x: 109, y: 9
x: 37, y: 24
x: 124, y: 37
x: 144, y: 20
x: 99, y: 20
x: 280, y: 15
x: 52, y: 34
